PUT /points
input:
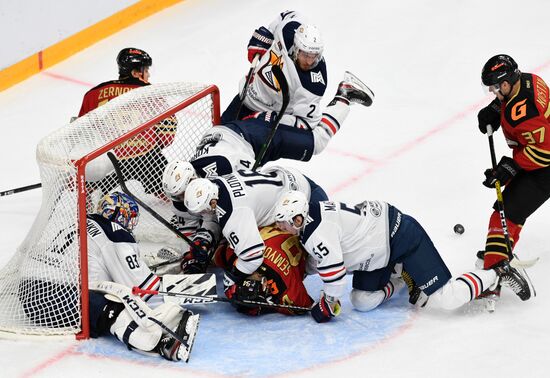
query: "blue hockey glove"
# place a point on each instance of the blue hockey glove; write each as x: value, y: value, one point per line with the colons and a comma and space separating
x: 326, y: 309
x: 196, y: 260
x: 259, y: 43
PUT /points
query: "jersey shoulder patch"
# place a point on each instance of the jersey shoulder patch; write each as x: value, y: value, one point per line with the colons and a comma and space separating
x: 312, y: 222
x: 314, y: 80
x: 114, y: 232
x: 224, y: 209
x: 522, y: 107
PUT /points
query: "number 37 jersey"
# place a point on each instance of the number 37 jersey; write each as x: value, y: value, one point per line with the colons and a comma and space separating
x: 246, y: 202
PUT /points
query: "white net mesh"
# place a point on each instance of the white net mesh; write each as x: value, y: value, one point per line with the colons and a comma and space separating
x: 40, y: 285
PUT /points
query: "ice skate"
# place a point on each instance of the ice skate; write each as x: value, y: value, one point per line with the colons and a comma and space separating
x: 174, y: 350
x: 352, y: 90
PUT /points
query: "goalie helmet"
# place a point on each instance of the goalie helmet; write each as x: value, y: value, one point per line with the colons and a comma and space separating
x: 176, y: 177
x: 198, y: 195
x: 498, y: 69
x: 119, y: 208
x: 131, y: 58
x: 307, y: 39
x: 290, y: 205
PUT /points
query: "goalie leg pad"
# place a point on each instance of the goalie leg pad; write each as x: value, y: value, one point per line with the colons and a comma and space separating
x: 133, y: 335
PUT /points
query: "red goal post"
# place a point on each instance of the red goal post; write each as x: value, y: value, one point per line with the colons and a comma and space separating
x: 44, y: 286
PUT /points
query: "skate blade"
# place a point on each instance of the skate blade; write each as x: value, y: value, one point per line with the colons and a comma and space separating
x: 351, y: 78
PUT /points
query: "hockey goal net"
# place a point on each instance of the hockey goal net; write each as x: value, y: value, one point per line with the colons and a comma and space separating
x: 44, y: 286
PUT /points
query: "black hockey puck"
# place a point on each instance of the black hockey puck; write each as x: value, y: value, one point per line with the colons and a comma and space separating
x: 458, y: 229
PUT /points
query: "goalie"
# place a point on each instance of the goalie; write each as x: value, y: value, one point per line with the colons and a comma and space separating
x: 114, y: 265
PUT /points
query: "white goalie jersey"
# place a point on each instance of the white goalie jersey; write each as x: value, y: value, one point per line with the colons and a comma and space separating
x: 246, y: 202
x: 306, y: 88
x: 344, y: 238
x: 113, y: 255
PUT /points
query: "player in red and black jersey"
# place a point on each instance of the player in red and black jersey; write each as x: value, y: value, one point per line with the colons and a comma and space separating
x: 280, y: 277
x: 146, y: 147
x: 522, y: 108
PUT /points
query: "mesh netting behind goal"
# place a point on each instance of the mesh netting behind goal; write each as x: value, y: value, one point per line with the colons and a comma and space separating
x: 41, y: 291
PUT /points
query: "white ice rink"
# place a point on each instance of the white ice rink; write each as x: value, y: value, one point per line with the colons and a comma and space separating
x: 418, y: 147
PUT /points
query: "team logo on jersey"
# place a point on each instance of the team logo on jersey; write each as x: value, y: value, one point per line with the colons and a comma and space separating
x: 220, y: 212
x: 375, y: 208
x: 211, y: 170
x: 265, y: 73
x: 317, y: 77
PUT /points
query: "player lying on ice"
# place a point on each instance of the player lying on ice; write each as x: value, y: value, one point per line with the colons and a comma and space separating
x: 115, y: 265
x: 278, y: 280
x: 369, y: 240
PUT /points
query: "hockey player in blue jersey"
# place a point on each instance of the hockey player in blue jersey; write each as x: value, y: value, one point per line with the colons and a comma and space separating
x: 370, y: 240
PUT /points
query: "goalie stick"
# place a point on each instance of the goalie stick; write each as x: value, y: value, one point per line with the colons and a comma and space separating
x: 157, y: 216
x: 20, y: 189
x: 138, y: 309
x: 280, y: 76
x: 200, y: 299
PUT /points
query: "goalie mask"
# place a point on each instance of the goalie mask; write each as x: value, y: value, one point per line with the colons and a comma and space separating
x: 130, y: 58
x: 119, y: 208
x: 291, y: 211
x: 176, y: 177
x: 308, y: 47
x: 199, y: 195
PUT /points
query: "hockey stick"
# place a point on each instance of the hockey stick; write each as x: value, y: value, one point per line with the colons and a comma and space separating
x: 500, y: 207
x: 242, y: 95
x: 20, y: 189
x: 157, y: 216
x: 137, y: 308
x: 279, y: 75
x: 200, y: 299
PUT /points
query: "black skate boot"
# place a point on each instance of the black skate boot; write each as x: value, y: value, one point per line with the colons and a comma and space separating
x: 512, y: 278
x: 352, y: 90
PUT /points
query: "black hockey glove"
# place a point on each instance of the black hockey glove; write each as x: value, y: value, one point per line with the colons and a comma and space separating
x: 506, y: 169
x: 196, y: 260
x: 231, y: 279
x: 489, y: 115
x: 259, y: 43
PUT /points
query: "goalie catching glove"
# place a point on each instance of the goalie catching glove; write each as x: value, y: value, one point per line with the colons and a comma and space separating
x: 326, y: 309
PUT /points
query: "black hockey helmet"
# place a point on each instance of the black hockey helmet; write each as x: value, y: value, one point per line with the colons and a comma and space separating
x: 131, y: 58
x: 498, y: 69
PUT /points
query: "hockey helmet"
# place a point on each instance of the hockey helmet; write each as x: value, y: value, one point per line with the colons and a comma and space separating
x: 120, y: 208
x: 198, y: 195
x: 131, y: 58
x: 308, y: 41
x: 498, y: 69
x: 176, y: 177
x: 290, y: 205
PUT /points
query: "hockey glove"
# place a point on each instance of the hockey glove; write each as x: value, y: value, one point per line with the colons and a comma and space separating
x: 264, y: 116
x: 259, y: 43
x: 197, y: 259
x: 506, y: 169
x: 325, y: 309
x: 251, y: 290
x: 489, y: 115
x: 231, y: 278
